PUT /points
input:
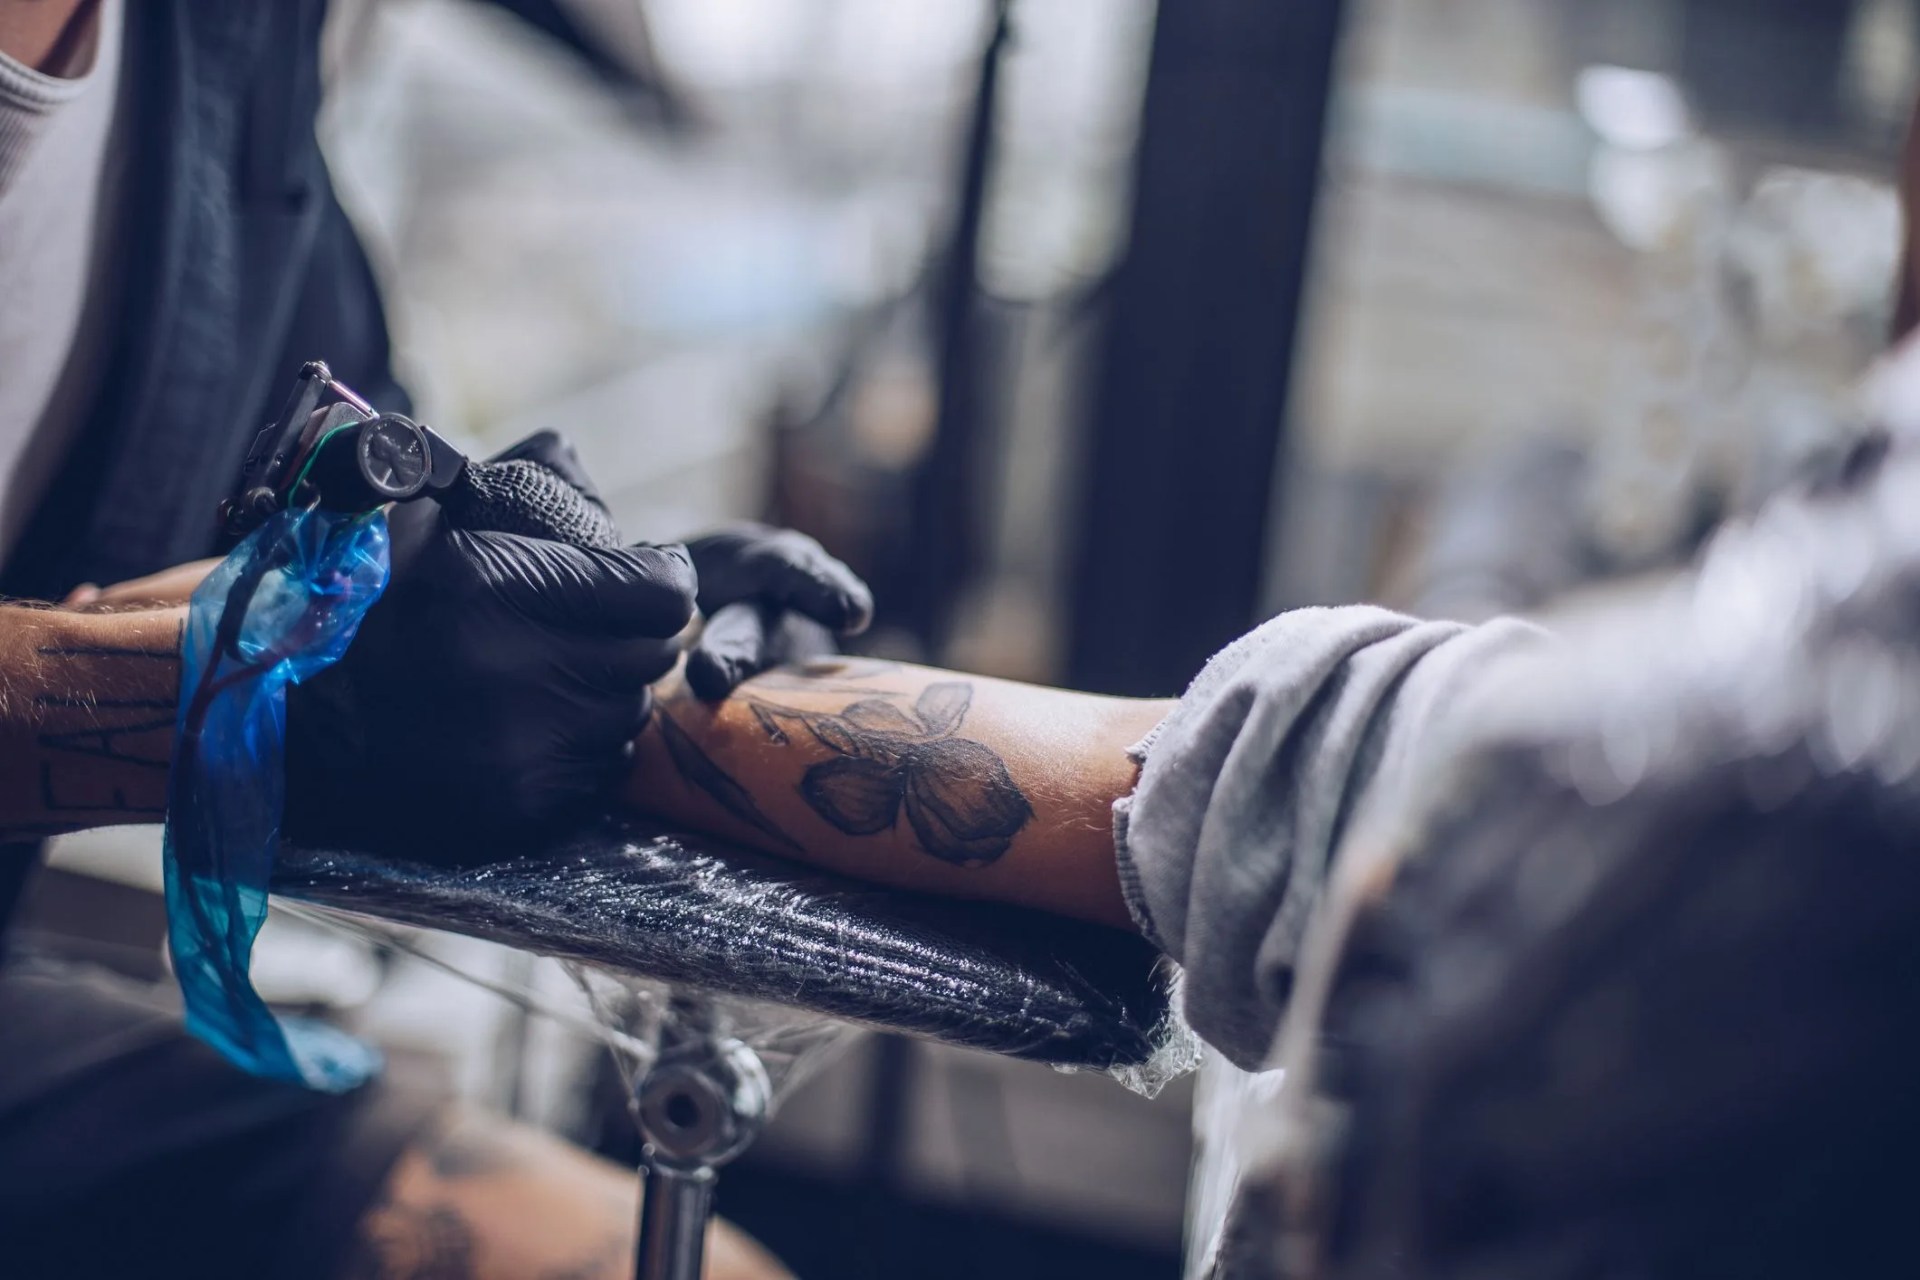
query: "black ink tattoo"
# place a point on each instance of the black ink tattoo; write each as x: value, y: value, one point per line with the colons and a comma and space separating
x: 402, y: 1242
x: 129, y: 732
x: 700, y: 769
x: 106, y: 651
x: 112, y: 741
x: 122, y: 731
x: 79, y: 733
x: 958, y: 795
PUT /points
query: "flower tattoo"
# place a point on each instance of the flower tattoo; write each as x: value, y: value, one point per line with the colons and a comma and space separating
x: 957, y: 794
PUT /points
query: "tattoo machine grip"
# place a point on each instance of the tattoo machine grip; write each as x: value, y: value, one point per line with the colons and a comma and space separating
x: 525, y: 497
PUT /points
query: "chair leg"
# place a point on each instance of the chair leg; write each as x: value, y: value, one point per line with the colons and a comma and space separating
x: 674, y: 1209
x: 701, y: 1104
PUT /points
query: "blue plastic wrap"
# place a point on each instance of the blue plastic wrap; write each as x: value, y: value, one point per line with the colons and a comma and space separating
x: 282, y: 607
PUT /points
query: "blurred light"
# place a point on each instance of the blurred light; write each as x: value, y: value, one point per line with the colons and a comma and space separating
x: 731, y: 43
x: 1865, y: 690
x: 1653, y: 200
x: 1633, y: 110
x: 1815, y: 251
x: 1461, y: 138
x: 1890, y: 393
x: 867, y: 44
x: 893, y: 415
x: 1882, y: 59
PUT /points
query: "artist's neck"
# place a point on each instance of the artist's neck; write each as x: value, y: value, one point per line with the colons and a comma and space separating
x: 48, y: 35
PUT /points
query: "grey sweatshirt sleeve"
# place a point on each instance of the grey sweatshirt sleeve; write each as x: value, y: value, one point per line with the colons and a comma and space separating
x: 1247, y: 787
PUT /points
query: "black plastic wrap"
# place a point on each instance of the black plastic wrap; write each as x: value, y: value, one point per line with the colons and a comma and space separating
x: 637, y: 901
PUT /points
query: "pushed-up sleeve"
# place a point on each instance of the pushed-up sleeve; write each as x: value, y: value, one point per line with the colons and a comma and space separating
x: 1249, y: 784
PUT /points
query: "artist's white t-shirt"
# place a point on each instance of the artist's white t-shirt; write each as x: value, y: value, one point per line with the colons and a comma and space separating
x: 60, y: 162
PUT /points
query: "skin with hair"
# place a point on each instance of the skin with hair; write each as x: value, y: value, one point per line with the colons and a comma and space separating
x: 86, y: 718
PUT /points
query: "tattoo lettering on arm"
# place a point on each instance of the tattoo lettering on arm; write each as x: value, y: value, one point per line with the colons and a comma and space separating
x: 108, y: 651
x: 959, y: 799
x: 78, y: 734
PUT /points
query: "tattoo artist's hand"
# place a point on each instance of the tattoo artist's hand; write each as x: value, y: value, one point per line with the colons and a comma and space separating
x: 770, y: 596
x: 493, y: 690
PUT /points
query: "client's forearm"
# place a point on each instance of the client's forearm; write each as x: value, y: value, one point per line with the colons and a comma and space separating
x: 916, y: 777
x: 86, y: 718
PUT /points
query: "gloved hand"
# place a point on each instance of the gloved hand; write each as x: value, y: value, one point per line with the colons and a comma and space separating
x: 770, y: 596
x: 493, y: 690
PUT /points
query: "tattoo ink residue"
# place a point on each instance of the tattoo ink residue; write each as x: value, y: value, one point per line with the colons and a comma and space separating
x: 958, y: 796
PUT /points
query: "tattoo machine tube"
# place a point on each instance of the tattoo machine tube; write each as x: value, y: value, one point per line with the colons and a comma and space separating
x: 282, y: 607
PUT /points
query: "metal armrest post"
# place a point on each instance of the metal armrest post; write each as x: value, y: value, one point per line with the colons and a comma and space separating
x: 701, y: 1104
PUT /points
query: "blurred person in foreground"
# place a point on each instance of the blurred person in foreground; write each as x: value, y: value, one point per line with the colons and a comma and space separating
x: 170, y: 253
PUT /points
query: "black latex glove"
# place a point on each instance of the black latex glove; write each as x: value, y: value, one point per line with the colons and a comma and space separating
x: 770, y: 596
x: 493, y: 690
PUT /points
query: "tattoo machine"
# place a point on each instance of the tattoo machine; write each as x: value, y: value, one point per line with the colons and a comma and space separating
x: 344, y: 456
x: 311, y: 558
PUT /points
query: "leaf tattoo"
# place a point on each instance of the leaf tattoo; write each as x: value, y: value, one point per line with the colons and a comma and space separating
x: 876, y: 716
x: 698, y: 768
x: 962, y: 802
x: 942, y: 706
x: 861, y: 797
x: 769, y: 724
x: 959, y: 798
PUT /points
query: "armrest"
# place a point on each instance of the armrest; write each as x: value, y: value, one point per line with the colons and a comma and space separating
x: 688, y: 911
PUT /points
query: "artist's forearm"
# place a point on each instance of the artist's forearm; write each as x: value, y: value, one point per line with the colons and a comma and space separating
x: 911, y: 776
x: 86, y: 718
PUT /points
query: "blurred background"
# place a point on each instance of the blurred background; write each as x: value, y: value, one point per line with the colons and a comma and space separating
x: 1092, y: 332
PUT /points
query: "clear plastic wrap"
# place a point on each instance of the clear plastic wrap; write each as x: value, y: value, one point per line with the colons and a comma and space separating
x: 282, y: 607
x: 643, y: 1016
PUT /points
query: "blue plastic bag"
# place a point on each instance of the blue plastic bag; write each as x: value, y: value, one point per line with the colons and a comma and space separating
x: 282, y: 607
